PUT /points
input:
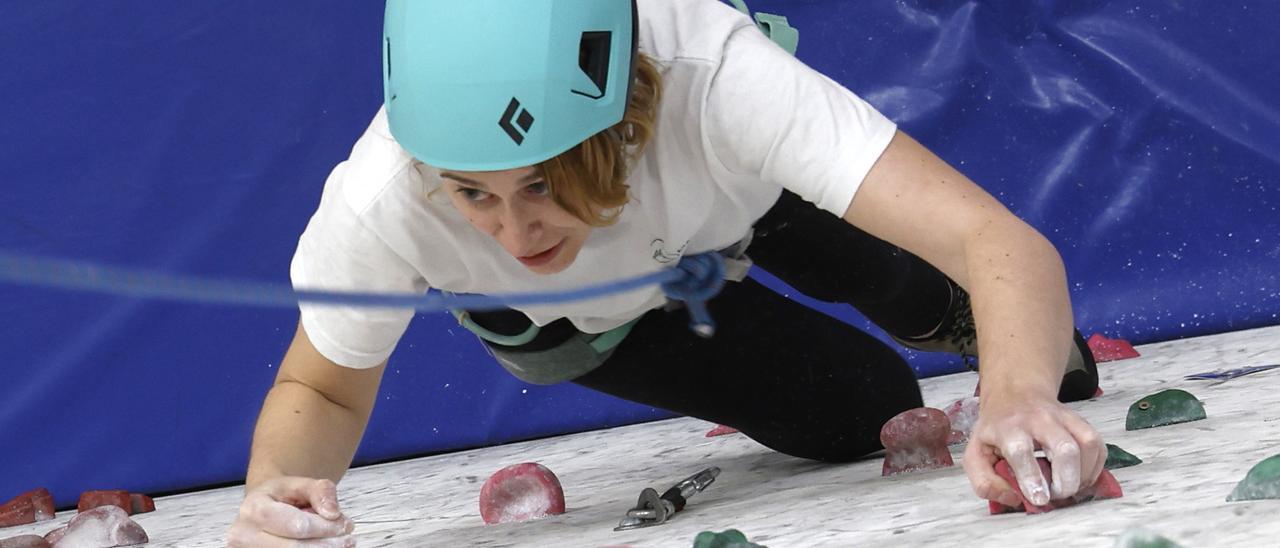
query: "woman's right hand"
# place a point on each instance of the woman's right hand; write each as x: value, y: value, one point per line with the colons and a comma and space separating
x: 293, y: 512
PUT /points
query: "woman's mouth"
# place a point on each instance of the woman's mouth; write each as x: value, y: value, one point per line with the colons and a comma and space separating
x: 542, y: 258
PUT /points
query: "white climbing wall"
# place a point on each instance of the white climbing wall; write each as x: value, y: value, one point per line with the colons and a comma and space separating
x: 1179, y: 491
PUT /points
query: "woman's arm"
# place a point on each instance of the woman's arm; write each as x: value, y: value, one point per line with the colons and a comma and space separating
x: 307, y: 433
x: 1017, y: 283
x: 313, y: 417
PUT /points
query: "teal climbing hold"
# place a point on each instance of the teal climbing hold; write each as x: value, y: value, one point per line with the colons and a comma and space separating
x: 1142, y: 538
x: 1119, y: 458
x: 1262, y: 482
x: 1171, y: 406
x: 776, y: 27
x: 729, y: 538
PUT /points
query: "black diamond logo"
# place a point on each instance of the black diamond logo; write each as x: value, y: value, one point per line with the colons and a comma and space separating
x: 522, y: 119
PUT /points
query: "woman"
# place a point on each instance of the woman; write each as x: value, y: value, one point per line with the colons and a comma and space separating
x: 549, y: 144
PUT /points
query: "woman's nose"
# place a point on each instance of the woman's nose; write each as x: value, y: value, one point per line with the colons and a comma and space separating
x: 521, y: 228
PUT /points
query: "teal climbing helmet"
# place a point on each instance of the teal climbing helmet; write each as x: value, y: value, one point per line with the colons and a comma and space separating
x: 487, y: 85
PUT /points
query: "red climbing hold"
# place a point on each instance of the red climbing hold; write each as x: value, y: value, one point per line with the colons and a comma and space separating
x: 1106, y: 350
x: 721, y: 430
x: 915, y: 439
x: 107, y: 497
x: 30, y: 507
x: 141, y: 504
x: 1105, y: 488
x: 521, y: 492
x: 102, y: 527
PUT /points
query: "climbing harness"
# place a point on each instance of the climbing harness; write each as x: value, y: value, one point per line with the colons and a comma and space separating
x: 775, y: 27
x: 654, y: 509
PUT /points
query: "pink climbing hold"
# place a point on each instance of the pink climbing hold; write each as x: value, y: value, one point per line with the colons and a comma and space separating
x: 25, y: 541
x: 963, y: 414
x: 1106, y: 350
x: 721, y: 430
x: 915, y: 439
x: 521, y: 492
x: 1105, y: 488
x: 102, y: 527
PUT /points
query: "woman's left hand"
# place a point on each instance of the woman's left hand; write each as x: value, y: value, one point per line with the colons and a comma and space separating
x: 1012, y: 428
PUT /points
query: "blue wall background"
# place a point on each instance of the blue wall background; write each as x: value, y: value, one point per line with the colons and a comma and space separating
x: 1142, y: 138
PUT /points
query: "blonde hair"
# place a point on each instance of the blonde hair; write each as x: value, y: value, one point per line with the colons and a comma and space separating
x: 589, y: 180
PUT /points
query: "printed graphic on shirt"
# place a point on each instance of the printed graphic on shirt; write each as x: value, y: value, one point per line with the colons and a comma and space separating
x: 661, y: 253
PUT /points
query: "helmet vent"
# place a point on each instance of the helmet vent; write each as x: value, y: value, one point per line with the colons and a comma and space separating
x: 388, y: 58
x: 593, y: 58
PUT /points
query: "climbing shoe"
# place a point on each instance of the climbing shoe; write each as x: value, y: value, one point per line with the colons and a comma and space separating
x: 957, y: 335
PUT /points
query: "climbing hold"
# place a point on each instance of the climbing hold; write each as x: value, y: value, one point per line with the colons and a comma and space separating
x: 113, y: 497
x: 1119, y: 458
x: 729, y: 538
x: 915, y: 439
x: 1166, y: 407
x: 141, y: 504
x: 721, y: 430
x: 25, y: 541
x: 521, y: 492
x: 963, y: 414
x: 1105, y: 488
x: 1141, y: 538
x: 1106, y: 350
x: 101, y: 527
x: 29, y: 507
x: 1262, y: 482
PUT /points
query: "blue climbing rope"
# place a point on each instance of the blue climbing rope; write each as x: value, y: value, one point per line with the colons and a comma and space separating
x: 695, y: 279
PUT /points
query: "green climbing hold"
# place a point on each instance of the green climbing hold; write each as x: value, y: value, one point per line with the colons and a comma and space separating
x: 1262, y: 482
x: 1163, y: 408
x: 1119, y: 458
x: 1142, y: 538
x: 729, y: 538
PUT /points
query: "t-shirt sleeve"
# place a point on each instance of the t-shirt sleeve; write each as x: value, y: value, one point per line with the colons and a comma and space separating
x: 771, y: 115
x: 338, y: 252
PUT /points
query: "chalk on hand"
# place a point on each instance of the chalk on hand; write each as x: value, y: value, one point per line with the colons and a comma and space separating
x: 1105, y: 488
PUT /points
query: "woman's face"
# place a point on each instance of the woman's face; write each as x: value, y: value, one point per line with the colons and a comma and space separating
x: 515, y: 207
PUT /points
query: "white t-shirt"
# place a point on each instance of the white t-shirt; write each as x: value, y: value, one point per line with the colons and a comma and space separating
x: 740, y: 120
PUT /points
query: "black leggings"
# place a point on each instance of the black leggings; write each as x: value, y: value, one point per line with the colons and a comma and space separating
x: 791, y: 378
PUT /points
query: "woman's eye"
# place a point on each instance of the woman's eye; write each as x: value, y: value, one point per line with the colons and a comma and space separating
x: 540, y: 188
x: 473, y: 195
